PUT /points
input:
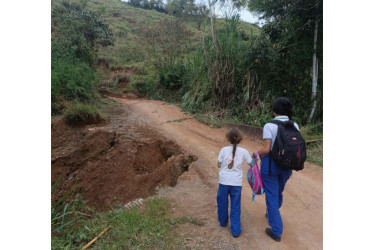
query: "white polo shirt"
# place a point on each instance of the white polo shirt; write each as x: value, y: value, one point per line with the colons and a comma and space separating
x: 271, y: 129
x: 233, y: 176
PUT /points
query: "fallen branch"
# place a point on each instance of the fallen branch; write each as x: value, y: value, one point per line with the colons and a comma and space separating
x: 95, y: 239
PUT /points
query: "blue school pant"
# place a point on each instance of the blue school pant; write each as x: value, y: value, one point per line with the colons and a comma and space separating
x: 274, y: 185
x: 222, y: 205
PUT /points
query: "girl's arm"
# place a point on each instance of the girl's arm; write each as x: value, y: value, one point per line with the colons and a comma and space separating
x: 265, y: 148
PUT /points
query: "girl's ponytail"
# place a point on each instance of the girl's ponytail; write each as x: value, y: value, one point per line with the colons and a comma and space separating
x: 233, y: 156
x: 235, y: 137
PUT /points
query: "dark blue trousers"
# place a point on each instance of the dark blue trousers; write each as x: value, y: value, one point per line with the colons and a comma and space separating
x: 274, y: 185
x: 222, y: 205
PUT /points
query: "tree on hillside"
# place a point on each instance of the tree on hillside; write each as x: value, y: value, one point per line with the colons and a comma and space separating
x: 202, y: 13
x: 181, y: 7
x: 135, y: 3
x: 187, y: 9
x: 295, y: 28
x: 157, y: 5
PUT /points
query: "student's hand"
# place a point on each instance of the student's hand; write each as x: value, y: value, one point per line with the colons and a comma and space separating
x: 256, y: 155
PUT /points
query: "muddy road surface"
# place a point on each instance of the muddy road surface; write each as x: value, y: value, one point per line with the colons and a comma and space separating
x: 195, y: 191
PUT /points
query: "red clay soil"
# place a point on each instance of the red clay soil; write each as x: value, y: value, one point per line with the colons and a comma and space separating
x: 113, y: 164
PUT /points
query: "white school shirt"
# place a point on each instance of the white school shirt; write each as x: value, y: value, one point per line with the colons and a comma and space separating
x: 271, y: 129
x: 233, y: 176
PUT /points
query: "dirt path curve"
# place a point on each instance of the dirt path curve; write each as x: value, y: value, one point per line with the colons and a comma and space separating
x: 195, y: 193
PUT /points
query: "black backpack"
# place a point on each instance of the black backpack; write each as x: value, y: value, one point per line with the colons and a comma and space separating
x: 289, y: 151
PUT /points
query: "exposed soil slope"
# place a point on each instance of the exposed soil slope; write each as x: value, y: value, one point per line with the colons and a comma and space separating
x: 116, y: 163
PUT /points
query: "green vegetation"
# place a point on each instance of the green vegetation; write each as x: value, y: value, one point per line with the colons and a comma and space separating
x: 313, y: 136
x: 76, y: 34
x: 138, y: 228
x: 64, y: 212
x: 295, y: 28
x: 315, y: 153
x: 130, y: 25
x: 82, y: 114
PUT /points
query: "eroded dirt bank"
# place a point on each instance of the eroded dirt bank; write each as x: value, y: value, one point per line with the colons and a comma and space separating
x: 116, y: 163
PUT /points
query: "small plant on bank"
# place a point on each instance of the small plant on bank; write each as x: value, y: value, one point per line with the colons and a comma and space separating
x: 81, y: 114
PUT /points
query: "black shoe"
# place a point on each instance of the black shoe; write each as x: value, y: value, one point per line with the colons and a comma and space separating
x: 271, y: 235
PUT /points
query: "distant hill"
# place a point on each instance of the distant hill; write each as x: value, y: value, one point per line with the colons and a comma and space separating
x: 127, y: 23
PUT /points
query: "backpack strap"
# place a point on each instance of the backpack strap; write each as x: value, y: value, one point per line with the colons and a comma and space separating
x: 285, y: 123
x: 277, y: 122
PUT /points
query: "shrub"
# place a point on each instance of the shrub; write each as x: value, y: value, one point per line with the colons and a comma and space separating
x: 82, y: 114
x: 73, y: 80
x: 145, y: 86
x: 171, y: 76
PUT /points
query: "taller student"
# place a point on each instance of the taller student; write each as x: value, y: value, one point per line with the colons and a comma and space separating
x: 274, y: 178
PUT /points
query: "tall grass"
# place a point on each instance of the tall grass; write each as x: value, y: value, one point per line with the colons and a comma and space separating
x: 228, y: 74
x: 63, y: 212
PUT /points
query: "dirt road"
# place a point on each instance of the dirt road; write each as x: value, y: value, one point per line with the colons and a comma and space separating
x: 195, y: 192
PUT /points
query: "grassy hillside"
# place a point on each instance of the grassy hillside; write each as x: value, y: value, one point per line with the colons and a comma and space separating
x: 128, y: 23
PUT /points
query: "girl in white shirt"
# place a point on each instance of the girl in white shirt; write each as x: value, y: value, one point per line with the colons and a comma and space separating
x: 230, y: 160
